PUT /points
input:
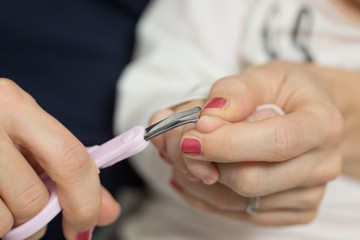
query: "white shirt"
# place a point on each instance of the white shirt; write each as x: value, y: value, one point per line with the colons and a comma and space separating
x: 183, y: 47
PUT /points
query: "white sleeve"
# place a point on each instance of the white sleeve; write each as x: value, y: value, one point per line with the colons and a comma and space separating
x: 182, y: 47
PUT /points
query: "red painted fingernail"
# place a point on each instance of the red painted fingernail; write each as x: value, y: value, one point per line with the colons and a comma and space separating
x: 85, y: 235
x: 216, y: 103
x: 176, y: 186
x: 191, y: 146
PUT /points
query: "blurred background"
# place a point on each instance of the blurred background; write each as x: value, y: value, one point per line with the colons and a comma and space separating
x: 68, y: 55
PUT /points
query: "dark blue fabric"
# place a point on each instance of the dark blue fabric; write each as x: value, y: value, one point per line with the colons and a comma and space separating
x: 68, y: 55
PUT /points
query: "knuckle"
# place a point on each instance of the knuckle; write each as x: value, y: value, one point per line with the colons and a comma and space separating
x: 38, y: 235
x: 248, y: 181
x: 196, y: 171
x: 72, y: 158
x: 226, y: 80
x: 286, y: 140
x: 307, y: 217
x: 230, y: 82
x: 11, y: 95
x: 337, y: 125
x: 7, y: 221
x: 334, y: 169
x: 86, y: 212
x: 312, y: 199
x: 276, y: 69
x: 228, y: 152
x: 31, y: 201
x: 328, y: 169
x: 230, y: 141
x: 254, y: 71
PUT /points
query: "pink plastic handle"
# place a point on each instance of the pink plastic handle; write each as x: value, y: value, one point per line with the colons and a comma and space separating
x: 119, y: 148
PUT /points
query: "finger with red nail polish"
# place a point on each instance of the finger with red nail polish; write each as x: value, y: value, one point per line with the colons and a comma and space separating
x: 191, y: 146
x: 86, y: 235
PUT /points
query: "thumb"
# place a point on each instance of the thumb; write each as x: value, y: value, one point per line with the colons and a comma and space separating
x: 234, y: 98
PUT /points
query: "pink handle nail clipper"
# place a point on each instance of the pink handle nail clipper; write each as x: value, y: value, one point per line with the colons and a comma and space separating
x: 115, y: 150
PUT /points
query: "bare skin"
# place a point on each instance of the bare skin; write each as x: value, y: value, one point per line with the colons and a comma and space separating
x: 32, y: 142
x: 350, y: 9
x: 308, y: 146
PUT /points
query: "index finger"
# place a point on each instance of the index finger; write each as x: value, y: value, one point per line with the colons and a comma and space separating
x: 63, y: 158
x: 275, y: 139
x: 311, y: 118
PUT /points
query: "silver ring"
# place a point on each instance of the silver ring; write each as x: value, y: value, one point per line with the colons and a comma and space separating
x: 253, y: 206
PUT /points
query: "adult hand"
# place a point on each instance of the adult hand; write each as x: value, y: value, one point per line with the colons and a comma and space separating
x: 278, y: 156
x: 301, y: 146
x: 294, y: 206
x: 32, y: 142
x: 169, y: 142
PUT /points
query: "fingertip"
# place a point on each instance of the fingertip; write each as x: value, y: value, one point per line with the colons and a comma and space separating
x: 83, y: 216
x: 110, y: 209
x: 213, y: 175
x: 38, y: 235
x: 69, y: 231
x: 205, y: 171
x: 190, y: 176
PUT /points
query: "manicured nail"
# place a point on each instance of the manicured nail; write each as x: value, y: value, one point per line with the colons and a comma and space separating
x: 85, y: 235
x: 216, y: 103
x: 191, y: 146
x: 176, y: 186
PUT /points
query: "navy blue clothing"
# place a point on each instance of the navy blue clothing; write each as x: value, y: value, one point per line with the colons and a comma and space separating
x: 68, y: 55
